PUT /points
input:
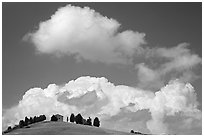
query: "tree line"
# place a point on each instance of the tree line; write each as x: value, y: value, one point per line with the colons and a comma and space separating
x: 27, y: 121
x: 78, y: 119
x: 31, y: 120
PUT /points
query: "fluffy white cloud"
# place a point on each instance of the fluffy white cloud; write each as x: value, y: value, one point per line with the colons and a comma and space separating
x: 86, y: 34
x: 105, y: 100
x: 174, y: 98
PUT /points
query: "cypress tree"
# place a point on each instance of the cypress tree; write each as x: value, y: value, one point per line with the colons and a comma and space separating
x: 26, y: 121
x: 54, y: 118
x: 21, y: 123
x: 96, y: 122
x: 34, y: 119
x: 79, y: 119
x: 31, y: 120
x: 72, y: 118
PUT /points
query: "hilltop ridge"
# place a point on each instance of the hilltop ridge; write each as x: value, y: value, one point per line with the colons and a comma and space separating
x: 63, y: 128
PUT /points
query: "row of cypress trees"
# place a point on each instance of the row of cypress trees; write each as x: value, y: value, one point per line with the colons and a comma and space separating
x: 80, y: 120
x: 31, y: 120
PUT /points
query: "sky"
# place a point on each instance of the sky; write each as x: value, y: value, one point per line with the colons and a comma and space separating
x: 113, y: 60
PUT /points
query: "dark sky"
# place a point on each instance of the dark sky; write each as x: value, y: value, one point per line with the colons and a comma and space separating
x: 165, y: 25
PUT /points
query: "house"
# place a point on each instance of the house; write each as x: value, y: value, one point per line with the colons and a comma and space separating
x: 59, y: 117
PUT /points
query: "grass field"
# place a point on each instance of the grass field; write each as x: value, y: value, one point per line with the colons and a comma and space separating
x: 63, y: 128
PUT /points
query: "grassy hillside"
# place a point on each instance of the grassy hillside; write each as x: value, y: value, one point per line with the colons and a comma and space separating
x: 63, y: 128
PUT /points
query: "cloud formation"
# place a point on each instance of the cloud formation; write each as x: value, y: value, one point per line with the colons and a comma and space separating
x: 170, y: 63
x: 102, y: 98
x: 86, y: 34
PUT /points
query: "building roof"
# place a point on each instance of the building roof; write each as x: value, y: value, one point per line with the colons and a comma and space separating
x: 58, y: 115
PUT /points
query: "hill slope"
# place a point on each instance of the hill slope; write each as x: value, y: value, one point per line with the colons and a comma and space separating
x: 63, y: 128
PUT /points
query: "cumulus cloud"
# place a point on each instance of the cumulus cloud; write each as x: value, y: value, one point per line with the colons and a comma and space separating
x: 170, y: 63
x: 174, y: 98
x: 106, y: 100
x: 86, y: 34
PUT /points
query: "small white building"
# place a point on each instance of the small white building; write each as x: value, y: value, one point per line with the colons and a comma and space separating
x: 59, y: 117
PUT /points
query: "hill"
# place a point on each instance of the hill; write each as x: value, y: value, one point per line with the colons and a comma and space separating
x: 63, y: 128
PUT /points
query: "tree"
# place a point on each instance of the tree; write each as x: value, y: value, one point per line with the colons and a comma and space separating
x: 30, y: 120
x: 79, y: 119
x: 89, y: 121
x: 96, y: 122
x: 42, y: 118
x: 9, y: 128
x: 34, y: 119
x: 54, y: 118
x: 37, y: 119
x: 132, y: 131
x: 26, y: 121
x: 21, y: 123
x: 72, y: 118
